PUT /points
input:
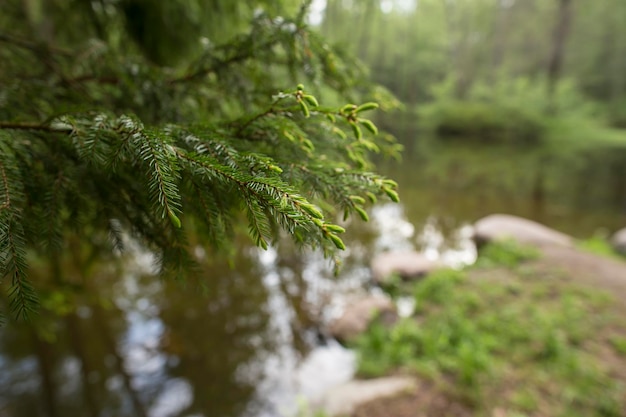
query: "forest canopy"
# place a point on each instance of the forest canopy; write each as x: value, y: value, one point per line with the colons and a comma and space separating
x: 168, y: 119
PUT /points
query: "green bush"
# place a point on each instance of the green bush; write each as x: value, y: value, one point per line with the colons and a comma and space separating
x: 485, y: 122
x: 506, y: 253
x: 507, y: 110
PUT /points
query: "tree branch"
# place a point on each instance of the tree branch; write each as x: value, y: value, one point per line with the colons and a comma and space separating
x: 32, y: 46
x: 33, y: 126
x: 241, y: 55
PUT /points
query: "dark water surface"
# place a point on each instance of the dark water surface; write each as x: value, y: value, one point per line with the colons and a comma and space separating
x: 244, y: 340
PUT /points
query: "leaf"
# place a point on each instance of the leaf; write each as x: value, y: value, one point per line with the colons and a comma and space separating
x: 392, y: 194
x: 348, y: 108
x: 311, y: 100
x: 369, y: 126
x: 340, y: 132
x: 312, y: 210
x: 356, y: 130
x: 337, y: 241
x: 366, y: 106
x: 362, y: 213
x: 305, y: 108
x: 334, y: 228
x: 174, y: 219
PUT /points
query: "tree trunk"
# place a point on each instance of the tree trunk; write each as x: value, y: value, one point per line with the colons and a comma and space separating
x: 76, y: 337
x: 500, y: 25
x: 45, y: 360
x: 559, y: 40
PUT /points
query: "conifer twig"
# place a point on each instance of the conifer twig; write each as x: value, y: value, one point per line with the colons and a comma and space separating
x: 33, y: 126
x: 32, y: 46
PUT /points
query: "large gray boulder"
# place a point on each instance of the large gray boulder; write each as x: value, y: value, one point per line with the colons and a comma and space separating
x: 344, y: 399
x: 505, y: 226
x: 358, y: 315
x: 406, y: 264
x: 618, y: 241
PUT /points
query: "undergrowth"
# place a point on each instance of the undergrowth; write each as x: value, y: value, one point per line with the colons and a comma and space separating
x: 599, y: 245
x: 521, y: 341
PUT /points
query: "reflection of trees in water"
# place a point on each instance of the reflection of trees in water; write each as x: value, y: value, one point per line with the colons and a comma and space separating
x: 215, y: 333
x: 209, y: 334
x: 69, y: 378
x: 574, y: 190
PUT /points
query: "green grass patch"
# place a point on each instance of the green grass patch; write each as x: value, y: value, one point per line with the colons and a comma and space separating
x: 599, y: 245
x: 505, y: 253
x: 619, y: 344
x: 519, y: 343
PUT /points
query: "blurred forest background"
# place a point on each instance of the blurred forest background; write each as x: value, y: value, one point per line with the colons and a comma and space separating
x: 519, y: 61
x: 510, y: 106
x: 537, y: 87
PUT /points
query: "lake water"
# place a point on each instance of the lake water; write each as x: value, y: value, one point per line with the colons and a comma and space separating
x: 244, y: 339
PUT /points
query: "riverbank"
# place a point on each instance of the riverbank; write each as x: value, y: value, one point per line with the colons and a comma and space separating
x: 523, y: 332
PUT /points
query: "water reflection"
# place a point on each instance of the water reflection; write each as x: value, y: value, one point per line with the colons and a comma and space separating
x: 232, y: 342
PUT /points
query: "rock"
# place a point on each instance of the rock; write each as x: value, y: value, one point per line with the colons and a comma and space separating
x: 359, y: 314
x: 343, y: 400
x: 618, y: 241
x: 407, y: 264
x: 505, y: 226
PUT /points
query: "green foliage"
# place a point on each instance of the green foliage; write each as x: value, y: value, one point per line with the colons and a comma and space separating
x: 505, y: 253
x: 483, y: 122
x: 599, y: 245
x: 510, y: 111
x: 619, y: 344
x: 617, y: 114
x: 100, y: 139
x: 437, y: 287
x: 501, y: 341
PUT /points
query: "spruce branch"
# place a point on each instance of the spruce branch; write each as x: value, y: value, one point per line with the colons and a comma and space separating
x: 34, y: 47
x: 34, y: 126
x: 6, y: 205
x: 158, y: 155
x: 22, y: 296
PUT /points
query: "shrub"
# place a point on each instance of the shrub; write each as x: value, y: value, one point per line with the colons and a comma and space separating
x: 484, y: 122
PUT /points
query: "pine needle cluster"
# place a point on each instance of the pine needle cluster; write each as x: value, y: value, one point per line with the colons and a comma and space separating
x: 99, y: 141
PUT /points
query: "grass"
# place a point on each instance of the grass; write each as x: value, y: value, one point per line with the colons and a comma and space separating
x: 599, y: 245
x: 504, y: 337
x: 506, y: 253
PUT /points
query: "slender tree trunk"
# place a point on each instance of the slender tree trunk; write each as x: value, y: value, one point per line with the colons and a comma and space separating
x: 559, y: 40
x: 369, y: 17
x: 45, y: 360
x: 500, y: 25
x: 618, y: 59
x: 111, y: 346
x: 76, y: 337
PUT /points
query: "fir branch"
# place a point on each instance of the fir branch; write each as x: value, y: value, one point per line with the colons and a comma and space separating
x: 99, y: 79
x: 213, y: 212
x: 116, y: 235
x: 34, y: 126
x: 34, y: 47
x: 22, y: 296
x: 240, y: 55
x: 292, y: 210
x: 159, y: 157
x: 5, y: 187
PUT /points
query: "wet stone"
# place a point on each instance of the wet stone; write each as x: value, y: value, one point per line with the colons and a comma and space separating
x: 344, y: 399
x: 406, y: 264
x: 618, y: 241
x: 505, y: 226
x: 359, y: 314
